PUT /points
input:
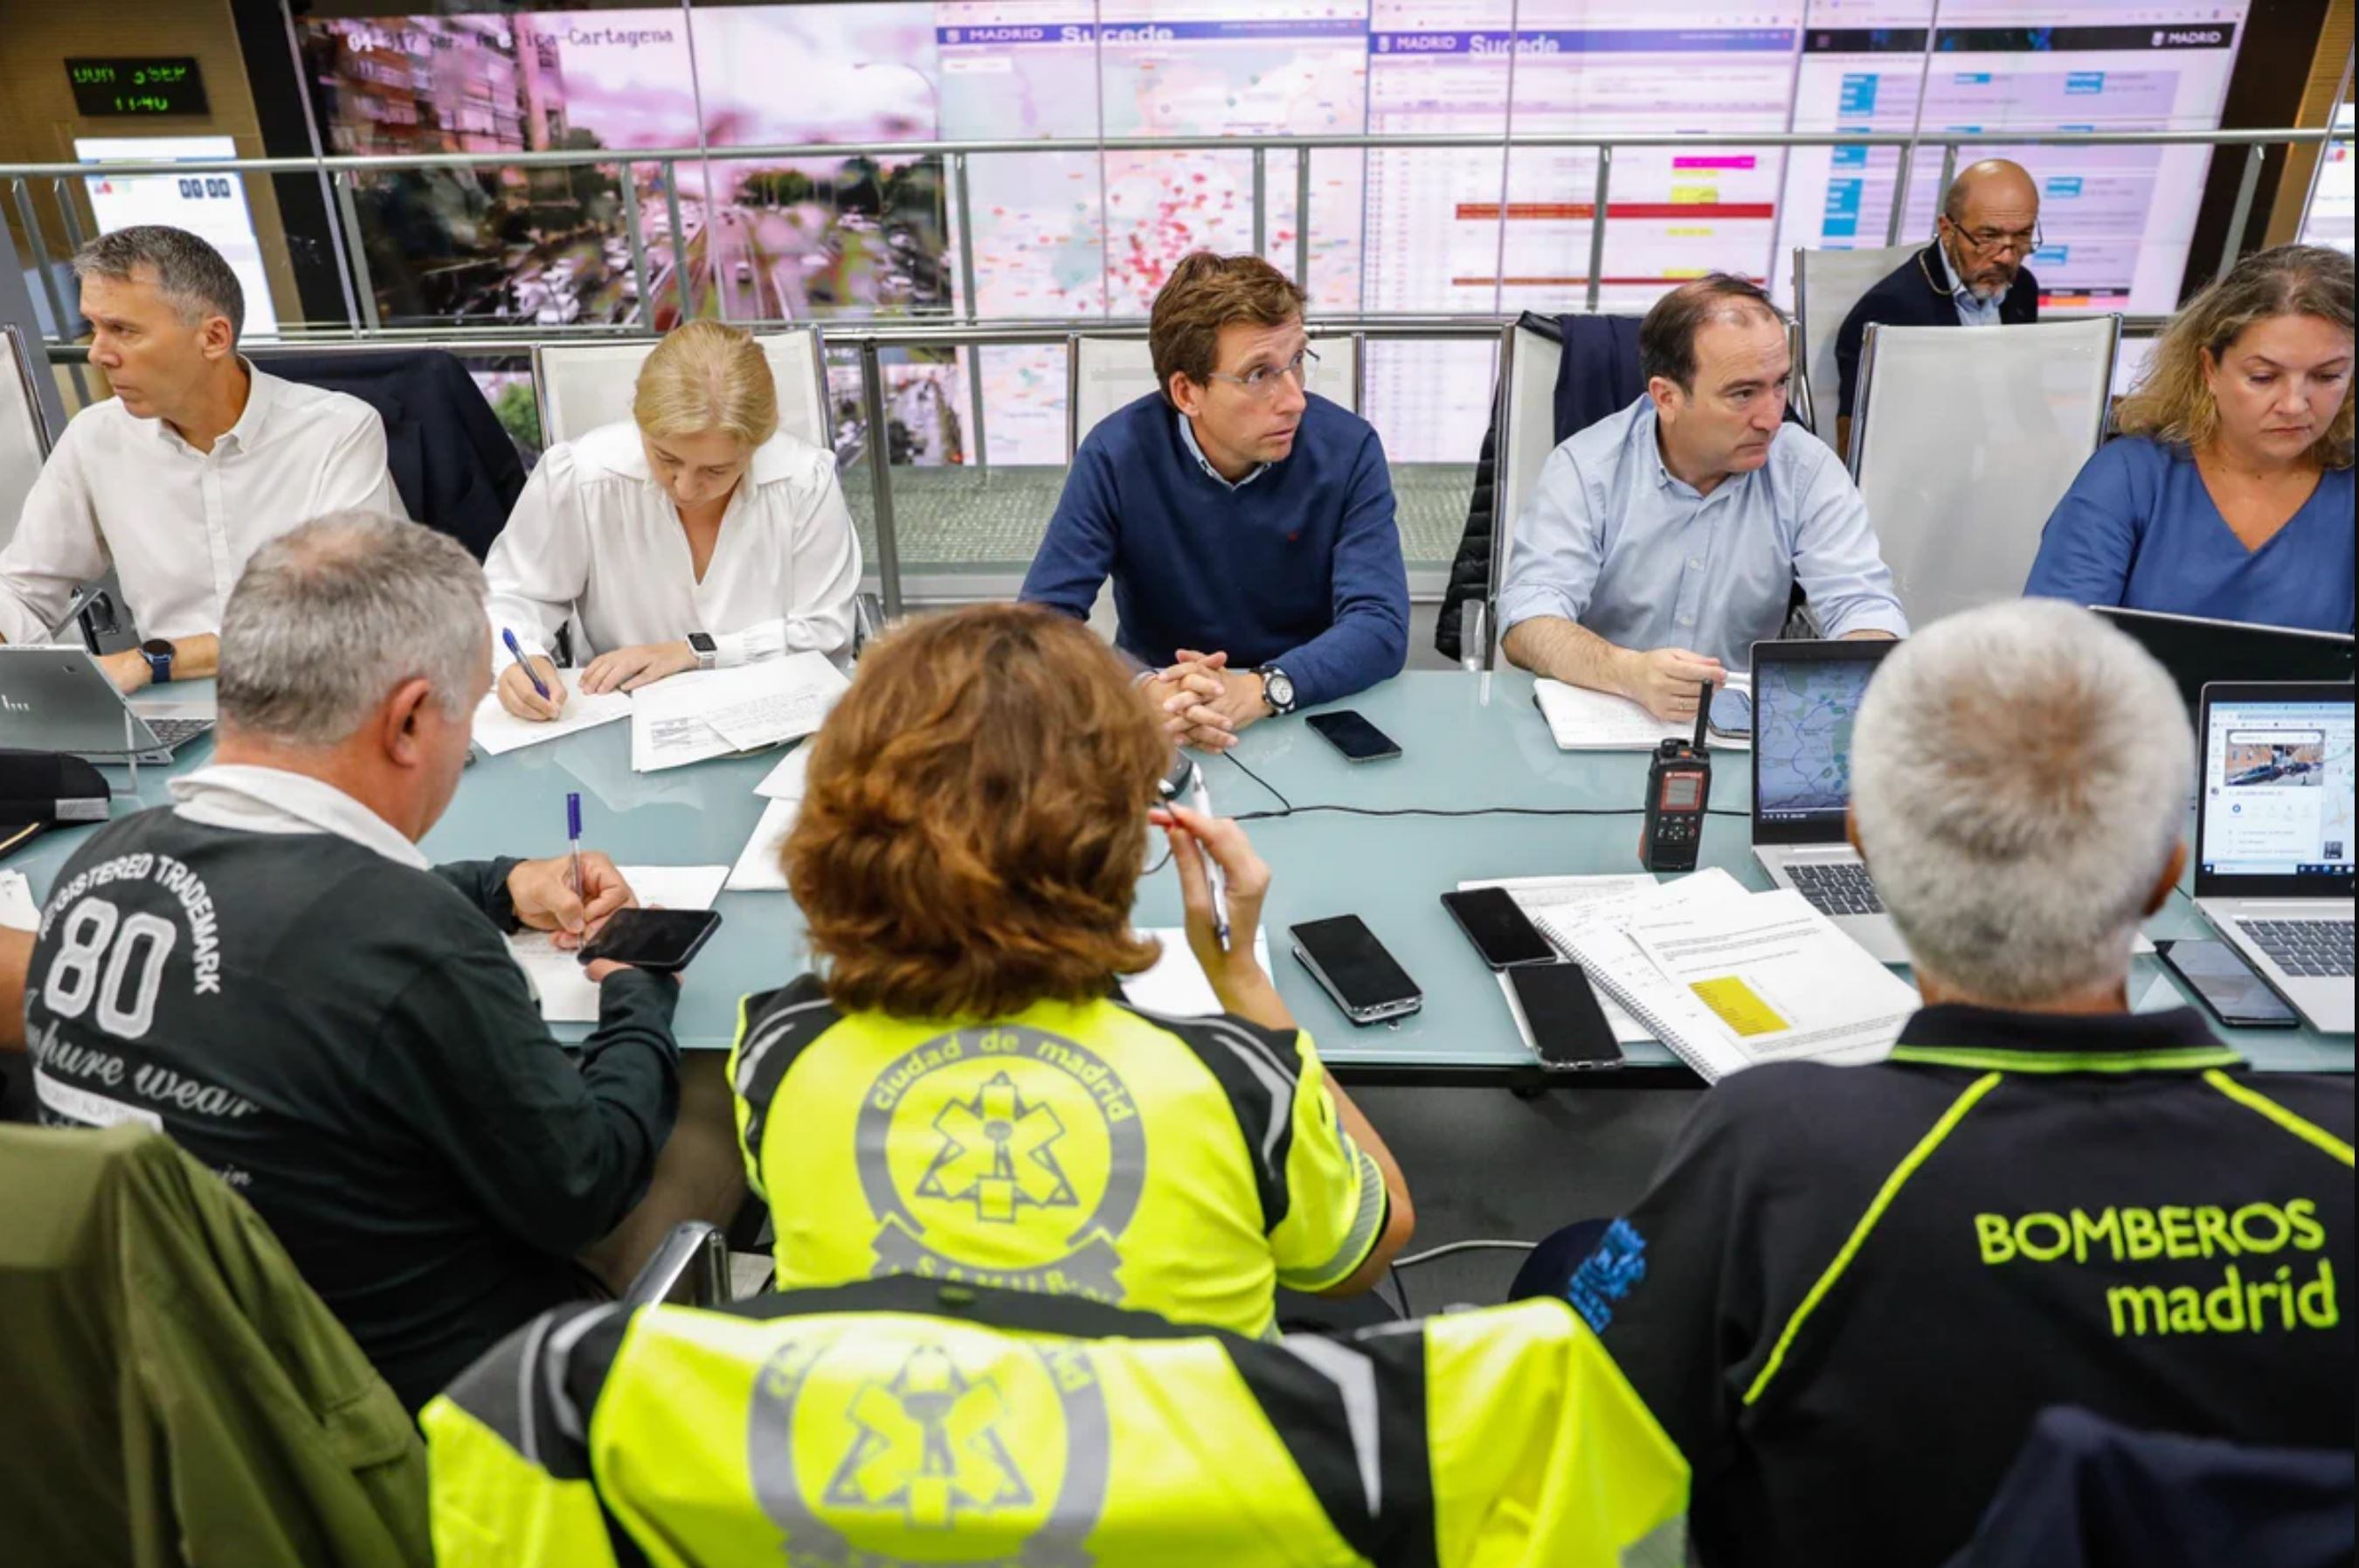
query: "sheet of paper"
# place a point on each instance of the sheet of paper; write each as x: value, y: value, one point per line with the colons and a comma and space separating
x: 566, y: 992
x: 1177, y: 987
x: 757, y: 869
x: 1557, y: 904
x: 20, y: 910
x: 710, y: 713
x: 787, y: 780
x: 498, y: 732
x: 1779, y: 979
x: 1584, y: 720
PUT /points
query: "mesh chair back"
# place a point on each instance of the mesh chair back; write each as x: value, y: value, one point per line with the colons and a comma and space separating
x: 1104, y: 373
x: 1827, y: 284
x: 584, y: 386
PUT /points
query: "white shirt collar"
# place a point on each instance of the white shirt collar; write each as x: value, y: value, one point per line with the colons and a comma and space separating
x: 260, y: 395
x: 247, y: 798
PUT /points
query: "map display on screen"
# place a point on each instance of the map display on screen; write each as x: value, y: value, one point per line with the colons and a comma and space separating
x: 1075, y: 236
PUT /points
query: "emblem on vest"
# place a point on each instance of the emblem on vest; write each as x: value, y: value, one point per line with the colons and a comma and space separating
x: 1008, y: 1157
x: 878, y: 1452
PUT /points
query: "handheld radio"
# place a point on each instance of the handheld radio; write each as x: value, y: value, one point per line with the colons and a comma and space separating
x: 1679, y: 790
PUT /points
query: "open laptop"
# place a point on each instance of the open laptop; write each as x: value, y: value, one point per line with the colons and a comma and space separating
x: 1805, y: 696
x: 56, y: 699
x: 2273, y: 836
x: 2198, y: 651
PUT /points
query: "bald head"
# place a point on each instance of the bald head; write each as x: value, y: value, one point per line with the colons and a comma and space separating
x: 1990, y: 221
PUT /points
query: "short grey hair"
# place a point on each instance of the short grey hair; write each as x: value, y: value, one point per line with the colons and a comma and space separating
x: 189, y: 272
x: 329, y: 619
x: 2020, y: 774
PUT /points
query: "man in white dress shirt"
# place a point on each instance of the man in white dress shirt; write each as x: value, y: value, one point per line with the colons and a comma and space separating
x: 197, y: 460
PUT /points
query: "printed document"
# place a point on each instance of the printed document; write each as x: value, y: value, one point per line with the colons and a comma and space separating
x: 20, y: 910
x: 1177, y: 987
x: 566, y: 992
x: 1581, y: 719
x: 498, y: 732
x: 757, y: 869
x: 710, y: 713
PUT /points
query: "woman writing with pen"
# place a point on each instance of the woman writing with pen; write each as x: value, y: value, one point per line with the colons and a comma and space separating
x: 696, y: 536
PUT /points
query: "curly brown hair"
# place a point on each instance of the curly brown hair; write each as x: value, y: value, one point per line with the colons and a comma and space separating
x: 976, y: 820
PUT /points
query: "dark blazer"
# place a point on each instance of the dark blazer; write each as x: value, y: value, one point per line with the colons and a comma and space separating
x: 452, y: 459
x: 1913, y: 295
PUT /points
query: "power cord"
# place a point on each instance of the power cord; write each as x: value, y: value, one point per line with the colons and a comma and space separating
x: 1288, y: 809
x: 1400, y: 1286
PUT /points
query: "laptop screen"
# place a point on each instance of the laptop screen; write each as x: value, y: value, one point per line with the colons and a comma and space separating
x: 1802, y: 716
x: 2277, y: 783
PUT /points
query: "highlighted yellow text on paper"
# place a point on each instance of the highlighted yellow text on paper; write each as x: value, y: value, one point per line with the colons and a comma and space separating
x: 1739, y: 1006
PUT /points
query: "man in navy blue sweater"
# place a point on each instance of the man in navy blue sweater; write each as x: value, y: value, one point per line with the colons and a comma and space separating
x: 1248, y: 525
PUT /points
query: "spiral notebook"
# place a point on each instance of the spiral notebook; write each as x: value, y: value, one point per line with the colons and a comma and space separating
x: 1727, y: 982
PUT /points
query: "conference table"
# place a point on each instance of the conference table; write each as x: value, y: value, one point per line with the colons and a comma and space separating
x: 1330, y: 847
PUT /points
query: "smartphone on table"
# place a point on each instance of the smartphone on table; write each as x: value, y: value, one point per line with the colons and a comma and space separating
x: 1348, y: 732
x: 1559, y: 1014
x: 1731, y: 714
x: 2230, y: 987
x: 1351, y: 965
x: 1503, y: 934
x: 661, y: 941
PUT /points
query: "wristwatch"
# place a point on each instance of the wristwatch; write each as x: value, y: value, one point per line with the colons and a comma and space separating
x: 1277, y: 688
x: 707, y: 651
x: 158, y: 655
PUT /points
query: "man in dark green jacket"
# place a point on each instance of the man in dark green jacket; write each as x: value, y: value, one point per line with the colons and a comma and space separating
x: 270, y: 971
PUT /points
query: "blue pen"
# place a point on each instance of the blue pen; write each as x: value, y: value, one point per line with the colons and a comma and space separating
x: 524, y: 664
x: 573, y: 838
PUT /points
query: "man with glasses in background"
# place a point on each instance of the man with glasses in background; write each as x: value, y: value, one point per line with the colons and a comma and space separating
x: 1247, y: 525
x: 1973, y: 274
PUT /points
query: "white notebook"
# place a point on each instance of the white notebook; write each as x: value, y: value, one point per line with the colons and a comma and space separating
x: 1580, y: 720
x: 498, y: 732
x: 712, y: 713
x: 566, y: 993
x: 1728, y: 984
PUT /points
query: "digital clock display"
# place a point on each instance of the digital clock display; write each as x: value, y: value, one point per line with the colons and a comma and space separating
x: 136, y: 88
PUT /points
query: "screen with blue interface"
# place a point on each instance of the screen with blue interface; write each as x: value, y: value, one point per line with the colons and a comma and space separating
x: 2277, y: 789
x: 1802, y: 718
x: 1391, y: 230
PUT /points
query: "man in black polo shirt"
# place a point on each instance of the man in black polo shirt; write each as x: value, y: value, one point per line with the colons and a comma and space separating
x: 270, y: 971
x: 1850, y: 1289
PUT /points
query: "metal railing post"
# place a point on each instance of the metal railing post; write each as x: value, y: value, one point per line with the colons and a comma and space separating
x: 880, y: 478
x: 1302, y: 220
x: 1260, y: 191
x: 2242, y: 212
x: 1899, y: 194
x: 1596, y: 227
x: 37, y: 254
x: 1949, y: 175
x: 639, y: 245
x: 350, y: 213
x: 964, y: 212
x: 678, y: 241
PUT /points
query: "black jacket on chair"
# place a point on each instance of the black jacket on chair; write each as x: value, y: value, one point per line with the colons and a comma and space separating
x: 452, y: 461
x: 1916, y: 294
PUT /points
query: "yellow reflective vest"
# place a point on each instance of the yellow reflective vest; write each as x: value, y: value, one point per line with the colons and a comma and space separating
x: 900, y: 1421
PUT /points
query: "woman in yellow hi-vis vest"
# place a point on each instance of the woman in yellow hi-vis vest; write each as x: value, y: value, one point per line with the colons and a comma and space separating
x: 960, y: 1093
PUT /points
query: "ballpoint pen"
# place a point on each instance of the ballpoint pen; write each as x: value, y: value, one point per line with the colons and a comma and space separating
x: 1200, y: 798
x: 573, y: 840
x: 541, y: 688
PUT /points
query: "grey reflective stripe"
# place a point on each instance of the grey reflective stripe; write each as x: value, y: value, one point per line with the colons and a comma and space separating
x: 1365, y: 1221
x: 555, y: 1354
x: 530, y: 1446
x: 1356, y: 1379
x: 1263, y: 1065
x: 773, y: 1029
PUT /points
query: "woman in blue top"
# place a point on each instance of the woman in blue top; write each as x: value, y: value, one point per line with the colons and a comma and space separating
x: 2229, y: 493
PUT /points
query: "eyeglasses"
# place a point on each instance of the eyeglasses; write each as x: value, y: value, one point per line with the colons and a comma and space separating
x: 1262, y: 381
x: 1991, y: 242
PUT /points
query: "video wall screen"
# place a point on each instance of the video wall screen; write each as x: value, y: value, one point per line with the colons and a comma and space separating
x: 1086, y: 235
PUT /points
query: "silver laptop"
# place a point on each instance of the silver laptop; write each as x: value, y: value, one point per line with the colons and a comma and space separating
x: 57, y: 700
x: 2273, y: 836
x: 1805, y: 696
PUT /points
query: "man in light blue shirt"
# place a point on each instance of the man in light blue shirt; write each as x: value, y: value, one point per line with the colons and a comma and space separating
x: 1661, y: 544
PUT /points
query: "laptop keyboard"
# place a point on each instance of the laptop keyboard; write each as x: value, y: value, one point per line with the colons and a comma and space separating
x: 170, y: 732
x: 2304, y: 947
x: 1839, y: 889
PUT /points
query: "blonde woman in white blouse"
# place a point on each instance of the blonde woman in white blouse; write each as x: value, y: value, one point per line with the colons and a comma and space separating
x: 695, y: 536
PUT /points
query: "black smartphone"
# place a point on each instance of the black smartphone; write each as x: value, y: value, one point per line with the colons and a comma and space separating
x: 1359, y: 740
x: 661, y: 940
x: 1344, y: 957
x: 2230, y: 987
x: 1560, y: 1015
x: 1731, y: 714
x: 1503, y: 934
